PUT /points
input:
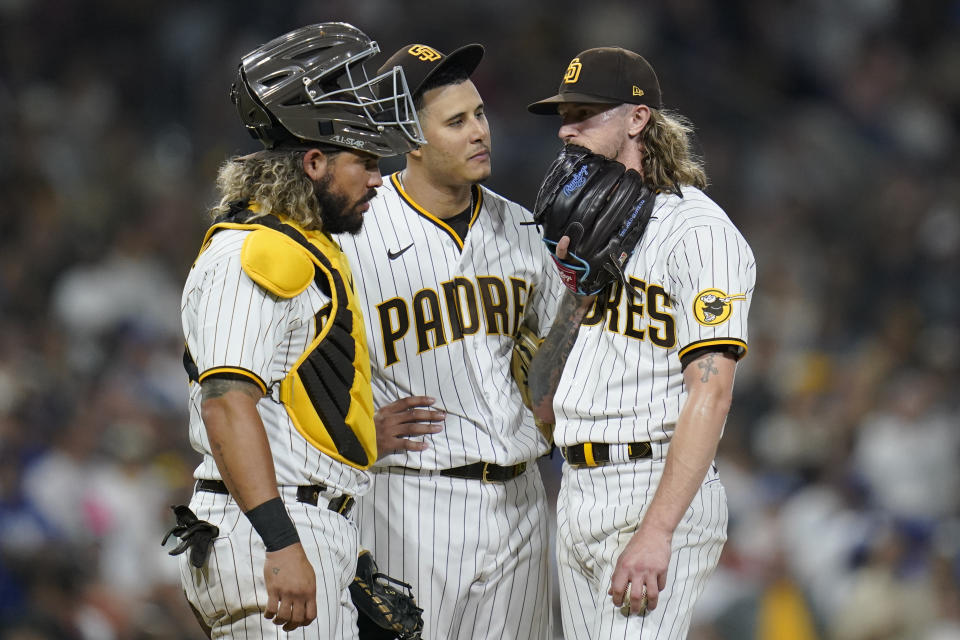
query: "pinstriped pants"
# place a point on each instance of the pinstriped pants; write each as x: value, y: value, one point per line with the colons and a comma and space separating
x: 598, y: 510
x: 229, y: 591
x: 476, y: 554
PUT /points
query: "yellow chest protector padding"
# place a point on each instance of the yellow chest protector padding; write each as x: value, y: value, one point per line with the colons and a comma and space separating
x: 277, y: 263
x: 327, y: 392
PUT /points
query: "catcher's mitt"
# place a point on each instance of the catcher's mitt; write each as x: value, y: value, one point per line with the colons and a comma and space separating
x: 602, y: 206
x: 386, y: 612
x: 525, y: 346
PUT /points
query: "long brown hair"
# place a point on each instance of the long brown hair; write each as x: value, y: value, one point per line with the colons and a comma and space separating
x: 668, y: 161
x: 273, y: 178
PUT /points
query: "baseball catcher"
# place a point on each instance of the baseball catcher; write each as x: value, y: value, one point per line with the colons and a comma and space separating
x: 602, y: 207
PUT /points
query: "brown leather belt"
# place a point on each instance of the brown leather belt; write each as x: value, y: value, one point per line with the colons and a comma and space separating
x: 594, y: 454
x: 309, y: 494
x: 486, y: 471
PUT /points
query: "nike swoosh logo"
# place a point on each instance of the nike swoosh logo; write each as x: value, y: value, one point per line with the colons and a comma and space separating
x: 394, y: 255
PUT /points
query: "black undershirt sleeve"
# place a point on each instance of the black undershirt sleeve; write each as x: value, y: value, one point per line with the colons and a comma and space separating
x: 717, y: 348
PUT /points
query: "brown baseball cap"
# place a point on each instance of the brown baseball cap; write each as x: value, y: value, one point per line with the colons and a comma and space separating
x: 605, y: 75
x: 420, y: 62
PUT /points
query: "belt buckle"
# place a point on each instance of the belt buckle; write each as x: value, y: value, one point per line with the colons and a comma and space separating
x: 641, y: 450
x: 517, y: 469
x: 345, y: 504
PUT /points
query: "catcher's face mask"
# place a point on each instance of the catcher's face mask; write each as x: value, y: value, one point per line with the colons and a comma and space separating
x: 311, y: 85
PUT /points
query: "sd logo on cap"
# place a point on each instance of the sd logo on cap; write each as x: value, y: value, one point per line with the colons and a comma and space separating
x: 605, y: 75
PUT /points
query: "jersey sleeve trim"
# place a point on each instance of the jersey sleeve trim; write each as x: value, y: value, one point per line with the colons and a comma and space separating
x: 738, y: 347
x: 235, y: 372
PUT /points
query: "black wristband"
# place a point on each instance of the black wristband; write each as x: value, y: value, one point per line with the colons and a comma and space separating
x: 274, y: 525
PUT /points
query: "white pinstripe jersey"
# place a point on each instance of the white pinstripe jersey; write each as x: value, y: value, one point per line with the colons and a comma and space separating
x: 440, y: 315
x: 231, y: 322
x: 623, y: 379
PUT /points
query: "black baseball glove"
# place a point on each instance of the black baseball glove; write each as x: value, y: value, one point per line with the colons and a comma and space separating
x: 387, y: 609
x: 195, y: 534
x: 602, y: 206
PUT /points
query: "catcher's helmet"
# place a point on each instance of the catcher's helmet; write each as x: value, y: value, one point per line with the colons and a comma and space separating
x: 311, y: 85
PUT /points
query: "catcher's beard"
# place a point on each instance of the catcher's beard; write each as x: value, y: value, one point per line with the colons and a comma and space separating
x: 336, y: 212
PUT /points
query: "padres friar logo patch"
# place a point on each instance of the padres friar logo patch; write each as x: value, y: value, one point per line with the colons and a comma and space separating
x: 425, y: 53
x: 573, y: 71
x: 713, y: 306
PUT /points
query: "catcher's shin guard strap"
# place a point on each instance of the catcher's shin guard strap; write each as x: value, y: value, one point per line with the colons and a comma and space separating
x: 594, y: 454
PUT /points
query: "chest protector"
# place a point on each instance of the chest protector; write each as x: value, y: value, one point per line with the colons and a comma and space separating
x: 327, y: 392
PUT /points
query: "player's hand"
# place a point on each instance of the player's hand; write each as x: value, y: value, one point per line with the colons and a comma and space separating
x: 291, y: 588
x: 561, y: 251
x: 398, y: 421
x: 642, y: 565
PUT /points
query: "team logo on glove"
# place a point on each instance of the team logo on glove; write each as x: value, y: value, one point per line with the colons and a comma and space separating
x: 576, y: 182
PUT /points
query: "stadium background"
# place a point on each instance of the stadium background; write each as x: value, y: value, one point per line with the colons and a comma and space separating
x: 829, y: 128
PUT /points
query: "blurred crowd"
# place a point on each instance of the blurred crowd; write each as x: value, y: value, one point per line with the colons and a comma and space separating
x: 829, y: 129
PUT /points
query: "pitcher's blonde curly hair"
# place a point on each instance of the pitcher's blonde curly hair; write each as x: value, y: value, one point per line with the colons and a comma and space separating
x: 273, y: 178
x: 668, y: 161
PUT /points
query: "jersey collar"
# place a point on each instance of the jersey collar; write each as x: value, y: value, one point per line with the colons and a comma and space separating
x: 477, y: 193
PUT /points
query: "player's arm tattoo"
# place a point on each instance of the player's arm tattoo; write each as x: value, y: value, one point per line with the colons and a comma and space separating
x: 547, y: 365
x: 217, y: 387
x: 225, y: 418
x: 220, y: 455
x: 706, y: 367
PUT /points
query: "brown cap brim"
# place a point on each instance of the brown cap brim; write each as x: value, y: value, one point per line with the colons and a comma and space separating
x: 549, y: 105
x: 467, y: 57
x: 417, y: 71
